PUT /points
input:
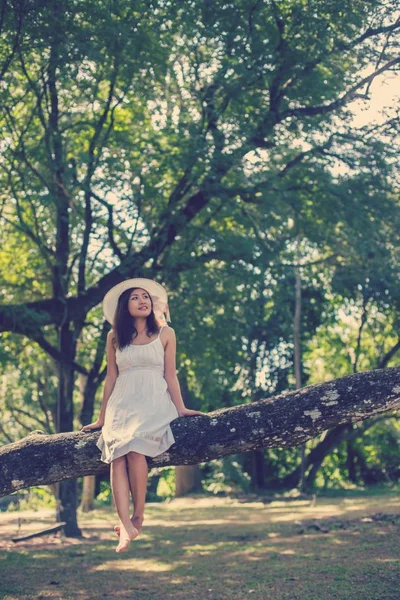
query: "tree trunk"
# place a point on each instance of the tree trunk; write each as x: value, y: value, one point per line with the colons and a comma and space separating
x: 257, y: 458
x: 88, y: 493
x: 67, y: 490
x: 187, y: 480
x: 351, y: 458
x: 297, y: 348
x: 257, y: 467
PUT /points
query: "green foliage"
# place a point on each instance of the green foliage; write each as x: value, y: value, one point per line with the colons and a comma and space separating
x: 207, y: 145
x: 36, y: 498
x: 225, y: 476
x: 104, y: 497
x: 332, y: 473
x: 166, y: 485
x: 380, y: 447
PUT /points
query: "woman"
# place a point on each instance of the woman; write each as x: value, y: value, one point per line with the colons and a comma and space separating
x: 141, y: 394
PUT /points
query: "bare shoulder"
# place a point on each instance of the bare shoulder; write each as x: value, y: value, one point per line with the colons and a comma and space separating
x: 168, y: 333
x: 168, y: 330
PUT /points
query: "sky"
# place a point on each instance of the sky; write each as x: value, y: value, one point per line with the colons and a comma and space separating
x: 385, y: 94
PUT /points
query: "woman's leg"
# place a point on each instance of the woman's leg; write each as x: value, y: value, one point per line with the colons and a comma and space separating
x: 138, y: 475
x: 138, y: 472
x: 120, y: 490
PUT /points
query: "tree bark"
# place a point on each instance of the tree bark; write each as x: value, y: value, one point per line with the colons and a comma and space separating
x: 351, y: 460
x: 187, y: 480
x: 285, y: 420
x: 297, y: 346
x: 257, y: 470
x: 67, y: 490
x: 88, y: 489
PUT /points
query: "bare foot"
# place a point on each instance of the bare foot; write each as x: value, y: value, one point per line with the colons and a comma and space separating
x: 137, y: 522
x: 126, y: 538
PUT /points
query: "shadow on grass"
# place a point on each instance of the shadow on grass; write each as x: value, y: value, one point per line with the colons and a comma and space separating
x: 221, y: 551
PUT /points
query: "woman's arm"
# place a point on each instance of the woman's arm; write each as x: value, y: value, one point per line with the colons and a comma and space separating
x: 170, y: 375
x: 112, y: 374
x: 111, y: 377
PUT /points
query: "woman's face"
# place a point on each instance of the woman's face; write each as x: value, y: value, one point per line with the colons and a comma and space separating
x: 139, y: 304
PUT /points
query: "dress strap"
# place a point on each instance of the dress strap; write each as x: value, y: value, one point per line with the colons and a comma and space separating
x: 161, y: 328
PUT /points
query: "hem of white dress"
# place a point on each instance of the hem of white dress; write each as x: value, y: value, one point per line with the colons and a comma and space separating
x: 136, y: 444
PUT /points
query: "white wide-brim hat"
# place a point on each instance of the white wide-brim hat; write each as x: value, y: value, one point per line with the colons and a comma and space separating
x: 156, y: 290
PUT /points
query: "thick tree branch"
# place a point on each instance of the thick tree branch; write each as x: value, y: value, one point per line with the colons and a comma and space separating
x: 352, y: 93
x: 383, y: 361
x: 26, y: 318
x: 286, y: 420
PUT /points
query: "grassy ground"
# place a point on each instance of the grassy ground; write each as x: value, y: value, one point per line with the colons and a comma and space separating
x: 202, y: 548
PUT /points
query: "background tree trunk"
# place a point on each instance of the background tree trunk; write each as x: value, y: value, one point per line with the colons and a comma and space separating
x: 88, y: 493
x: 351, y: 460
x: 187, y: 480
x: 257, y: 469
x: 67, y: 490
x: 297, y: 346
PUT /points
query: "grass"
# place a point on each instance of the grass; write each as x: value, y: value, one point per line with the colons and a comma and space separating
x: 205, y: 548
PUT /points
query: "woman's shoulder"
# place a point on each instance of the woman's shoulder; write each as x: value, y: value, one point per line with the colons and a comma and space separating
x: 168, y: 331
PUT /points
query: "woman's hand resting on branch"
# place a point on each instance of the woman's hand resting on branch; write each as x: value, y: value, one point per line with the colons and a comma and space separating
x: 187, y: 412
x: 97, y: 425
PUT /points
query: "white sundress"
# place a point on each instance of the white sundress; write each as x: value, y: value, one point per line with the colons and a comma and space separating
x: 139, y: 409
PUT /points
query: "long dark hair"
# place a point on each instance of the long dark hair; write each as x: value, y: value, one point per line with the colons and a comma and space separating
x: 123, y: 323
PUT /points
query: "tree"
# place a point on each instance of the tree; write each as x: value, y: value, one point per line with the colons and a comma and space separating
x: 285, y: 420
x: 103, y: 102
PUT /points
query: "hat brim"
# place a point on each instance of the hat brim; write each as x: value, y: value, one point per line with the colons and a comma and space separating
x: 110, y: 300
